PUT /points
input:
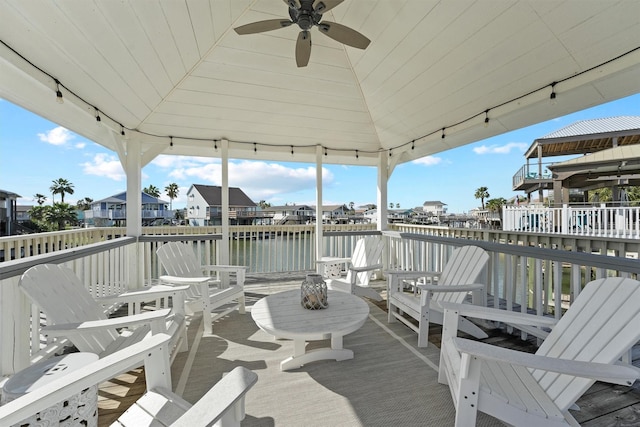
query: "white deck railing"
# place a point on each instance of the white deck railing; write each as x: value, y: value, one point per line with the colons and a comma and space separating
x: 603, y: 221
x: 526, y: 270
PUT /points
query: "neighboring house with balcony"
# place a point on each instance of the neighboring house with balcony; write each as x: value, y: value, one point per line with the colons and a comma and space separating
x: 595, y: 154
x: 434, y: 207
x: 112, y: 211
x: 334, y: 213
x: 292, y: 214
x: 204, y: 206
x: 399, y: 215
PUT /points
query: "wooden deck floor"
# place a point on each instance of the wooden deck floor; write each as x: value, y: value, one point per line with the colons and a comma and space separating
x: 601, y: 405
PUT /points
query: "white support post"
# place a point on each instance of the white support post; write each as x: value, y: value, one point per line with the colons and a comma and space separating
x: 225, y: 257
x: 132, y: 163
x: 319, y: 236
x: 383, y: 178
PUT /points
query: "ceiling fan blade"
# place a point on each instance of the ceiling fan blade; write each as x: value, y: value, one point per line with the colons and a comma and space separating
x: 322, y: 6
x: 343, y: 34
x: 303, y: 48
x: 294, y: 4
x: 262, y: 26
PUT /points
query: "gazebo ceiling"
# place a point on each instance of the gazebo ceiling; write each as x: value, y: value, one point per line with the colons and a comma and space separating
x: 177, y: 69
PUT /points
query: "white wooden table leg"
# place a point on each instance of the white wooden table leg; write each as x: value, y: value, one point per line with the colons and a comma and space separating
x: 336, y: 342
x: 301, y: 357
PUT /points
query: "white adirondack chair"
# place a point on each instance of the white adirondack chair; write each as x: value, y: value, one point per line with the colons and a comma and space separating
x: 359, y: 268
x: 457, y: 279
x: 207, y: 293
x: 74, y: 314
x: 538, y: 389
x: 222, y: 405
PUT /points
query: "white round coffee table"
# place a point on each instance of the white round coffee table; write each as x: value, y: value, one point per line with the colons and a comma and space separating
x: 282, y: 316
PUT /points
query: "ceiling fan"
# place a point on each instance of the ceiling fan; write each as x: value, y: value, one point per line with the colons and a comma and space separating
x: 307, y: 13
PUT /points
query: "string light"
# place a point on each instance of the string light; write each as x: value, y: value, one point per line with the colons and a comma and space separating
x: 215, y: 145
x: 325, y: 151
x: 292, y: 150
x: 171, y: 143
x: 59, y: 98
x: 413, y: 144
x: 552, y: 98
x: 357, y: 156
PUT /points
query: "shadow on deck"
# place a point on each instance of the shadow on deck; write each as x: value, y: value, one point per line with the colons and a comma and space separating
x: 389, y: 381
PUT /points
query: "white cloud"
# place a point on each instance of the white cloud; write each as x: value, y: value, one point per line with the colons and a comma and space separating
x: 259, y: 180
x: 500, y: 149
x: 428, y: 161
x: 81, y: 145
x: 104, y: 165
x: 56, y: 136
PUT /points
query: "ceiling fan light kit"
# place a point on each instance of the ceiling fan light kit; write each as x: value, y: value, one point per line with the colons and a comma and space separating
x: 307, y: 14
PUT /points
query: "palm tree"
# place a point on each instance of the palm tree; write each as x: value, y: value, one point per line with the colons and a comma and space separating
x: 351, y: 205
x: 40, y: 199
x: 495, y: 205
x: 152, y: 190
x: 263, y: 204
x: 84, y: 204
x: 61, y: 213
x: 391, y: 205
x: 61, y: 186
x: 172, y: 191
x: 397, y: 205
x: 482, y: 193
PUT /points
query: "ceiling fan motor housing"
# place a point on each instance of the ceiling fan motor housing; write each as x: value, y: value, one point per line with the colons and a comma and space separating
x: 306, y: 17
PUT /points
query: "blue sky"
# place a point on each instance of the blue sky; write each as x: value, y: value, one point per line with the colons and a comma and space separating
x: 34, y: 152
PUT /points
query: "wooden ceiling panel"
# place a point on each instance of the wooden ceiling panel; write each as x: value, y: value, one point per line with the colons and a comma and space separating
x: 124, y: 22
x: 182, y: 31
x: 203, y: 27
x: 151, y: 18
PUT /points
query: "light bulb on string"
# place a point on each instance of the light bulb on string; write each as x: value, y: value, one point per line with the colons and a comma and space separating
x: 486, y: 118
x: 59, y: 98
x: 98, y: 119
x: 552, y: 97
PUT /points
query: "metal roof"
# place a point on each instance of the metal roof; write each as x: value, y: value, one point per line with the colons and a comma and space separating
x: 587, y: 136
x: 597, y: 126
